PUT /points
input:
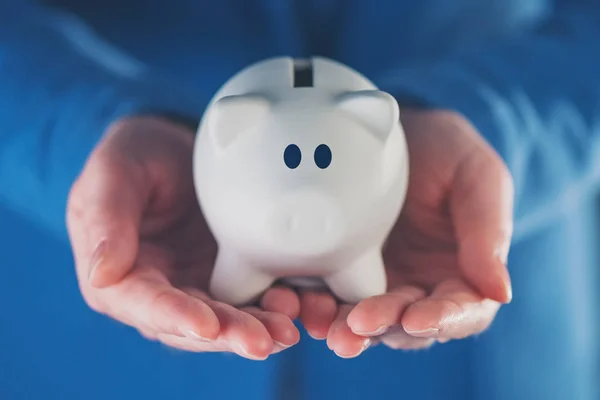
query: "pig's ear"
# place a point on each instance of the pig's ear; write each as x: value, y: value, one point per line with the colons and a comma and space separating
x: 231, y: 116
x: 376, y: 110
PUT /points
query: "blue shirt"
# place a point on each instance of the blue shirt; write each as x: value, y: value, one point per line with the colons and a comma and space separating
x: 524, y: 72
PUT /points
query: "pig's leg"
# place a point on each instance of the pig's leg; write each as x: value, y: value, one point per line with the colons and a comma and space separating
x: 363, y: 278
x: 235, y: 282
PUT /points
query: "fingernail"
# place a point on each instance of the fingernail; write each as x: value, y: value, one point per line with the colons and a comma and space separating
x: 348, y: 356
x: 425, y: 333
x: 241, y: 350
x: 191, y: 334
x: 509, y: 293
x: 379, y: 331
x: 365, y: 346
x: 278, y: 346
x: 322, y: 337
x: 98, y: 258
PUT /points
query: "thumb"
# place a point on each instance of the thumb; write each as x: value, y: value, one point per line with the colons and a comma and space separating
x: 481, y: 206
x: 104, y: 214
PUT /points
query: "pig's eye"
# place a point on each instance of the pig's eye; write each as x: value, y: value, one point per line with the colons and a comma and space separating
x: 322, y: 156
x: 292, y: 156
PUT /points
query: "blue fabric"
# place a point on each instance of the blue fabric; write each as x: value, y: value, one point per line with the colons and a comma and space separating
x: 524, y: 72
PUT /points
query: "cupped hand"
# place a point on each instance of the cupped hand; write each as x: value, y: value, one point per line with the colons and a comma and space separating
x: 144, y: 254
x: 446, y: 256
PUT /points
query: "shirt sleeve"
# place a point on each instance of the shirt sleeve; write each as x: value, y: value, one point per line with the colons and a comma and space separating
x: 57, y: 98
x: 535, y: 98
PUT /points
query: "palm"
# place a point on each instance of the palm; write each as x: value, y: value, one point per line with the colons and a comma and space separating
x: 422, y: 251
x: 180, y: 251
x: 423, y: 246
x: 136, y: 199
x: 174, y: 230
x: 444, y: 257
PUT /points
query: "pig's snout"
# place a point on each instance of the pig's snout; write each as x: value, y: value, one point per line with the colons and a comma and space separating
x: 309, y: 222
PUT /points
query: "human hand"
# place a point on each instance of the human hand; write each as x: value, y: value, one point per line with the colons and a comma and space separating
x: 144, y: 254
x: 446, y: 256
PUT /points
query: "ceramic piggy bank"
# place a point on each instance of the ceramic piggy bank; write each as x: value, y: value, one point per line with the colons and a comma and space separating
x: 301, y: 170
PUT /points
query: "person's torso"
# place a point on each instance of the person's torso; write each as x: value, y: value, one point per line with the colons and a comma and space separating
x: 204, y: 42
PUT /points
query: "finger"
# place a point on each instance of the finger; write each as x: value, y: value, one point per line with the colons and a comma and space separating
x: 147, y: 334
x: 186, y: 344
x: 481, y: 205
x: 242, y: 332
x: 147, y: 301
x: 283, y: 300
x: 317, y: 312
x: 280, y: 328
x: 104, y: 212
x: 197, y: 293
x: 453, y: 311
x: 342, y: 340
x: 375, y: 315
x: 396, y: 338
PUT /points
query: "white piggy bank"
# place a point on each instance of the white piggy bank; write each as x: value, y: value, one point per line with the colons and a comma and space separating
x: 301, y: 170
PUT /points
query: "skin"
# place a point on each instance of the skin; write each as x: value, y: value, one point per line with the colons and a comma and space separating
x: 144, y: 254
x: 446, y: 256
